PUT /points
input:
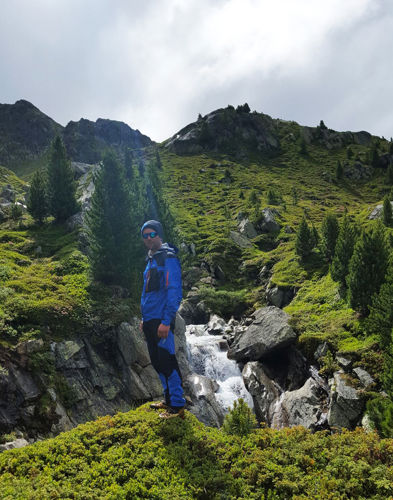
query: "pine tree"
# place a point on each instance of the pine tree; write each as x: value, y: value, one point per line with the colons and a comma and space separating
x: 374, y: 156
x: 349, y: 153
x: 339, y: 170
x: 387, y: 211
x: 61, y: 185
x: 367, y: 268
x: 304, y: 240
x: 112, y: 230
x: 329, y: 233
x: 295, y: 196
x: 37, y: 201
x: 343, y: 252
x: 128, y: 167
x: 303, y: 147
x: 380, y: 320
x: 389, y: 174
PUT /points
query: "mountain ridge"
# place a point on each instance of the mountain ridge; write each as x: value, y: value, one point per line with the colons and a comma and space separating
x: 26, y: 134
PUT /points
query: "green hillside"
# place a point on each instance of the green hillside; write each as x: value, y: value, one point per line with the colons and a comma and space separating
x: 227, y: 163
x: 137, y: 455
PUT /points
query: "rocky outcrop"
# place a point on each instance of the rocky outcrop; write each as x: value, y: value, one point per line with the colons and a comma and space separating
x: 268, y: 332
x: 49, y: 389
x: 86, y: 141
x: 268, y: 221
x: 247, y: 229
x: 377, y: 212
x: 346, y: 407
x: 240, y: 240
x: 279, y: 296
x: 357, y: 171
x: 229, y: 130
x: 25, y: 133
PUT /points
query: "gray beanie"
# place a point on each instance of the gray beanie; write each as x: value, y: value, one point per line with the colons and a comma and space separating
x: 155, y: 225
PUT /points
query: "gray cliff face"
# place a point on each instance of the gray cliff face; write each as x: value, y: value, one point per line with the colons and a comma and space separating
x: 49, y: 389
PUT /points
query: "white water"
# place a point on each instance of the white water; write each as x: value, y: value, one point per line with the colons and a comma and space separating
x: 206, y: 358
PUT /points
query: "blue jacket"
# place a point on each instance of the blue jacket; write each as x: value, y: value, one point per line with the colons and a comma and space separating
x: 162, y: 289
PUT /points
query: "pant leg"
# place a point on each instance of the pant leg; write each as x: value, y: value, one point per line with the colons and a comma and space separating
x: 163, y: 358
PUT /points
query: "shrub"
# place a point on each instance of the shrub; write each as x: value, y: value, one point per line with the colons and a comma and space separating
x: 240, y: 420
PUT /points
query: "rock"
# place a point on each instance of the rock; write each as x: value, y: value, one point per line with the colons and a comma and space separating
x: 377, y: 212
x: 300, y: 407
x: 29, y: 347
x: 205, y: 407
x: 275, y: 296
x: 367, y: 424
x: 66, y: 350
x: 18, y: 443
x: 216, y: 325
x: 26, y: 385
x: 75, y: 221
x: 269, y: 223
x: 194, y: 310
x: 344, y: 362
x: 132, y: 344
x: 247, y: 229
x: 268, y: 332
x: 240, y: 240
x: 357, y: 171
x: 263, y: 390
x: 223, y: 345
x: 345, y: 407
x: 181, y: 345
x: 80, y: 169
x: 8, y: 194
x: 321, y: 351
x: 364, y: 377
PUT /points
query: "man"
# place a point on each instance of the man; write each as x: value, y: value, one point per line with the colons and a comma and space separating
x: 161, y: 297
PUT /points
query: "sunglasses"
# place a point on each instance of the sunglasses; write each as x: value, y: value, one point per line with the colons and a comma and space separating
x: 153, y: 234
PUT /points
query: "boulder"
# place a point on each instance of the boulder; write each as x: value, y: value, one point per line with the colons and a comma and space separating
x: 346, y: 407
x: 268, y: 222
x: 216, y: 325
x: 205, y: 405
x: 364, y: 377
x: 377, y: 212
x: 263, y: 390
x: 247, y: 229
x: 268, y: 332
x: 345, y: 363
x: 240, y: 240
x: 300, y: 407
x: 17, y: 443
x: 279, y: 296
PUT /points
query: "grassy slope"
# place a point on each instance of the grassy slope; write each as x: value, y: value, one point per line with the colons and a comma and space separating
x: 205, y: 210
x: 137, y: 455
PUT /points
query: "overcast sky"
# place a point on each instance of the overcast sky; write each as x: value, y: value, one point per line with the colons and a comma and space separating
x: 156, y: 64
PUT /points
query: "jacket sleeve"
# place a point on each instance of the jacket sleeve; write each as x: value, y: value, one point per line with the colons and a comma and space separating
x: 174, y: 289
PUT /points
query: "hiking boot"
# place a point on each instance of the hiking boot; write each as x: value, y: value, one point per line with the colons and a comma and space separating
x: 159, y: 406
x: 172, y: 413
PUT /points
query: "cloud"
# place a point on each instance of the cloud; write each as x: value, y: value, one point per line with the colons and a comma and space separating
x: 157, y: 64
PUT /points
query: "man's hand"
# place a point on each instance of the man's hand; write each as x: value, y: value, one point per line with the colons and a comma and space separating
x: 163, y: 331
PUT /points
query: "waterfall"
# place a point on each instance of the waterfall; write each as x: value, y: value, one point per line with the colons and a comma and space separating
x: 207, y: 356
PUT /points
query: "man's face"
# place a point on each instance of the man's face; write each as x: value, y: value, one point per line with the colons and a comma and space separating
x: 151, y: 243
